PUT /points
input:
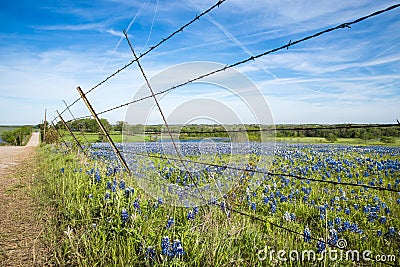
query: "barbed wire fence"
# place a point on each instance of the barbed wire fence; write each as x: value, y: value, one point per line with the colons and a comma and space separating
x: 114, y: 148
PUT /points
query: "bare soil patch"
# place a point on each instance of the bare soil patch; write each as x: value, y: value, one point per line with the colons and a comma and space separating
x: 20, y: 226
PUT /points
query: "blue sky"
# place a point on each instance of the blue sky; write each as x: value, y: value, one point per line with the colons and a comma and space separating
x: 48, y: 48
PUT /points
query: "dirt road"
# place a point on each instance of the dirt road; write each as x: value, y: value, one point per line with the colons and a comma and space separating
x: 19, y: 225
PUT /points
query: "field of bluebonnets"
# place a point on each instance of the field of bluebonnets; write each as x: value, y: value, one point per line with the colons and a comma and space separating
x: 102, y: 216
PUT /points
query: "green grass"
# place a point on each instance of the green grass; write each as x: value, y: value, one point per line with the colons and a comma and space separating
x: 98, y: 237
x: 94, y: 137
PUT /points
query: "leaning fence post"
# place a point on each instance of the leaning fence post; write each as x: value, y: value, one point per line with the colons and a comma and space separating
x: 71, y: 133
x: 59, y: 134
x: 89, y: 106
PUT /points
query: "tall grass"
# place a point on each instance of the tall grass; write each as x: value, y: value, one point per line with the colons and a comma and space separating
x: 88, y: 229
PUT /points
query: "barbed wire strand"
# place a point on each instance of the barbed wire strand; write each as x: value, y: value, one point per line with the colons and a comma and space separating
x: 151, y: 48
x: 286, y: 46
x: 159, y: 108
x: 73, y: 117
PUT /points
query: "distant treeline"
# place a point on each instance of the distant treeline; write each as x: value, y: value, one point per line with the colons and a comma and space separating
x: 386, y: 134
x: 252, y: 131
x: 17, y: 136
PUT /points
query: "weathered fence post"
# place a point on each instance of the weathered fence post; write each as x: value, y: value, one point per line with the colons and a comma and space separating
x: 89, y: 106
x: 71, y: 133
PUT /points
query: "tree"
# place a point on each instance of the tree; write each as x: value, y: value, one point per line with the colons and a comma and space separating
x: 118, y: 126
x: 331, y: 137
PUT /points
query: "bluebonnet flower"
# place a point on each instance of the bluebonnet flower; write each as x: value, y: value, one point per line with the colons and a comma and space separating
x: 321, y: 245
x: 150, y: 253
x: 346, y: 225
x: 347, y: 211
x: 333, y: 237
x: 372, y: 217
x: 165, y: 245
x: 286, y: 216
x: 136, y: 204
x: 307, y: 235
x: 177, y: 249
x: 322, y: 212
x: 354, y: 228
x: 273, y: 208
x: 387, y: 210
x: 97, y: 177
x: 124, y: 215
x: 109, y: 184
x: 170, y: 222
x: 391, y: 231
x: 190, y: 215
x: 122, y: 184
x: 128, y: 192
x: 366, y: 209
x: 195, y: 210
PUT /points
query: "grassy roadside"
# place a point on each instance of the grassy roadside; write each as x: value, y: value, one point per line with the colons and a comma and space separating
x: 88, y: 229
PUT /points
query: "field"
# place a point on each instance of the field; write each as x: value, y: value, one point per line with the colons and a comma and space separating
x: 254, y: 216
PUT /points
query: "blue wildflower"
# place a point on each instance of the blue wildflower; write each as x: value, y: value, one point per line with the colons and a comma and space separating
x: 347, y: 211
x: 391, y: 231
x: 195, y: 210
x: 307, y: 235
x: 108, y: 185
x: 170, y: 222
x: 190, y: 215
x: 177, y: 249
x: 333, y: 237
x: 124, y: 215
x: 122, y: 184
x: 387, y: 210
x: 321, y: 245
x: 165, y: 245
x: 136, y: 204
x: 150, y: 253
x: 97, y: 177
